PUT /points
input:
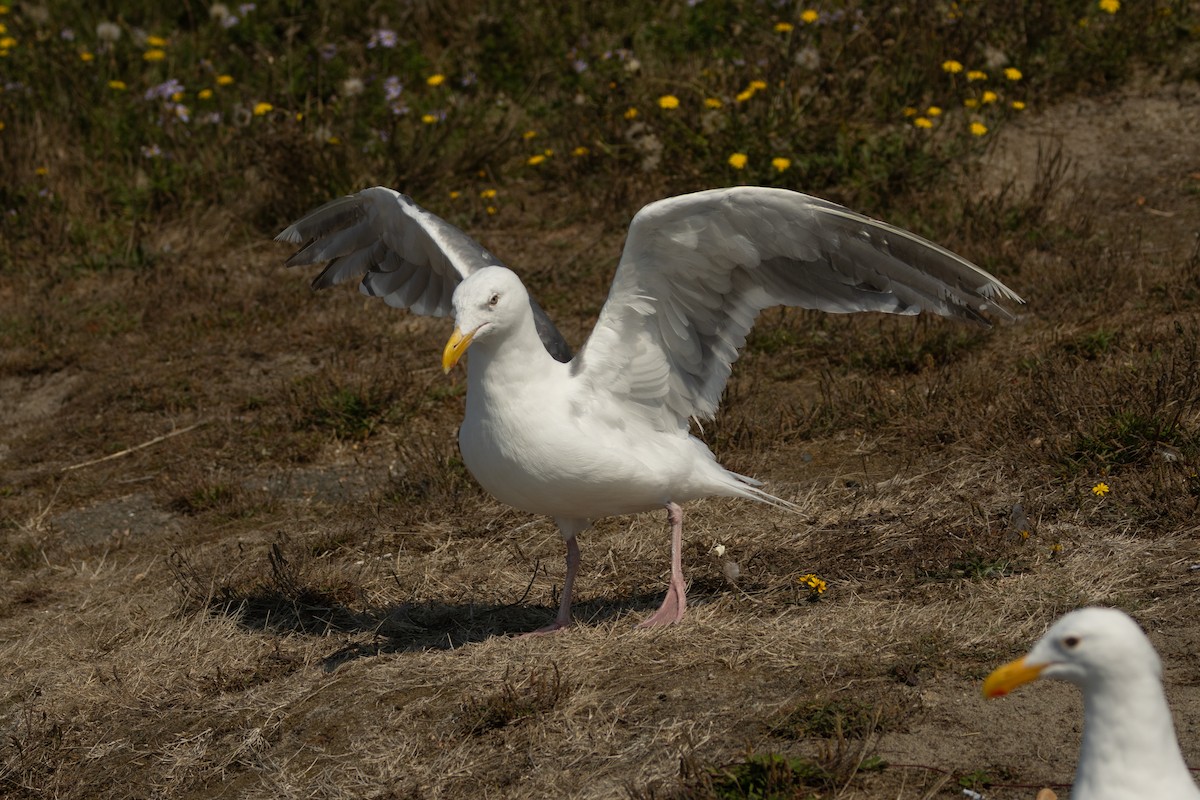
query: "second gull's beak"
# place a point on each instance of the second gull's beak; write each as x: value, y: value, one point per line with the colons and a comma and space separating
x: 1008, y: 677
x: 458, y: 344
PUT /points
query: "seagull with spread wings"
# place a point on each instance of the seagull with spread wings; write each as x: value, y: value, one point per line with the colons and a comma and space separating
x: 607, y: 431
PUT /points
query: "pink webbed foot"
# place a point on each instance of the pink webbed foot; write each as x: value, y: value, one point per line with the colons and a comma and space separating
x: 553, y: 627
x: 671, y: 610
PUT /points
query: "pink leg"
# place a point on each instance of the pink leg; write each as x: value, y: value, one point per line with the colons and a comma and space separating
x: 675, y: 603
x: 563, y: 620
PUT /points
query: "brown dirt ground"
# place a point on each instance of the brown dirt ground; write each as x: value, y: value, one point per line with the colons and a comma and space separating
x: 256, y: 608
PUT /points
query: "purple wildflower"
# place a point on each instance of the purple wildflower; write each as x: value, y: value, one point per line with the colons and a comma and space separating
x: 384, y: 37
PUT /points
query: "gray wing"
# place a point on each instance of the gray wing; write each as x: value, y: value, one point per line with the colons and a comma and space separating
x: 697, y: 269
x: 409, y: 257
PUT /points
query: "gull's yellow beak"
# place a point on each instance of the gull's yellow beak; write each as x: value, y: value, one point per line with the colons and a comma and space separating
x: 458, y: 344
x: 1004, y: 679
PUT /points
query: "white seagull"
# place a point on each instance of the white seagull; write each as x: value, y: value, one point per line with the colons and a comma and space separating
x: 1129, y: 751
x: 607, y: 431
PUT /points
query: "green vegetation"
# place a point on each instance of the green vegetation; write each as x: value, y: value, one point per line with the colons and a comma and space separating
x: 272, y: 107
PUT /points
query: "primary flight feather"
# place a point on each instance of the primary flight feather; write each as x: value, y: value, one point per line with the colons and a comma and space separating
x: 607, y: 431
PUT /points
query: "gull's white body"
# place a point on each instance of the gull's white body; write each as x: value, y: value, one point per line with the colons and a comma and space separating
x: 607, y: 431
x: 566, y: 460
x: 1129, y: 750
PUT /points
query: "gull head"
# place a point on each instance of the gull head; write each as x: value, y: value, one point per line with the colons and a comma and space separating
x: 487, y: 304
x: 1090, y: 647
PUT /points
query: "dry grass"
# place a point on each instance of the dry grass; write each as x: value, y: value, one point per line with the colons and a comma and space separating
x: 306, y: 595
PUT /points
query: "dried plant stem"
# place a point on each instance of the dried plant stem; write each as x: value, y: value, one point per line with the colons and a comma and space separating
x: 135, y: 448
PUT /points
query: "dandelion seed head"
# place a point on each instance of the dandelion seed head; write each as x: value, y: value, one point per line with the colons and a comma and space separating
x: 108, y: 31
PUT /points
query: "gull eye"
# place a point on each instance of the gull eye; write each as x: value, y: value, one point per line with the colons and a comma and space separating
x: 1070, y: 642
x: 494, y: 299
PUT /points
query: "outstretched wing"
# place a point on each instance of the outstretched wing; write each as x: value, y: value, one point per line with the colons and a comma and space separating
x: 409, y: 257
x: 697, y: 269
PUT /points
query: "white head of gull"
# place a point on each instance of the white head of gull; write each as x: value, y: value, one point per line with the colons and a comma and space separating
x: 607, y: 431
x: 1129, y: 750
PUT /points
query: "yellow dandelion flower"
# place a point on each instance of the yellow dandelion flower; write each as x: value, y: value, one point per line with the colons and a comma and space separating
x: 784, y: 27
x: 3, y: 9
x: 428, y: 119
x: 156, y: 41
x: 712, y: 102
x: 1, y: 126
x: 952, y: 66
x: 580, y: 152
x: 978, y: 129
x: 176, y: 97
x: 809, y: 16
x: 971, y: 102
x: 154, y: 55
x: 738, y: 160
x: 781, y: 164
x: 491, y: 210
x: 989, y: 97
x: 455, y: 194
x: 7, y: 43
x: 1100, y: 489
x: 436, y: 80
x: 976, y: 75
x: 487, y: 194
x: 744, y: 96
x: 535, y: 160
x: 815, y: 585
x: 1056, y: 548
x: 204, y: 94
x: 923, y: 122
x: 117, y: 85
x: 757, y: 86
x: 933, y: 111
x: 909, y: 111
x: 1013, y: 74
x: 224, y: 80
x: 631, y: 113
x: 668, y: 101
x: 528, y: 135
x: 1110, y: 6
x: 263, y: 108
x: 43, y: 171
x: 1018, y: 105
x: 86, y: 57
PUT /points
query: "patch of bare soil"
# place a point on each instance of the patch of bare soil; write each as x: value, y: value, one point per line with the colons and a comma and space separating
x: 297, y: 591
